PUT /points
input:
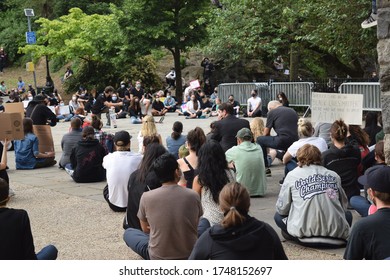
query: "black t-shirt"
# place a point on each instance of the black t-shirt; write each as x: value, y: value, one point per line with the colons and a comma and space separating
x: 204, y: 105
x: 137, y: 93
x: 369, y: 238
x: 98, y: 106
x: 159, y: 106
x: 284, y: 121
x: 40, y: 114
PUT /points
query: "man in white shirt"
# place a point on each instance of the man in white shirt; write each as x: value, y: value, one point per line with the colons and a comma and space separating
x: 119, y: 166
x: 254, y: 105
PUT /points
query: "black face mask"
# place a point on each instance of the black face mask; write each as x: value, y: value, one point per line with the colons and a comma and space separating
x: 253, y: 95
x: 231, y: 100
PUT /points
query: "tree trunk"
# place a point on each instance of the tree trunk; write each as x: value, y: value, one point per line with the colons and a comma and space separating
x: 384, y: 68
x: 294, y: 61
x: 179, y: 84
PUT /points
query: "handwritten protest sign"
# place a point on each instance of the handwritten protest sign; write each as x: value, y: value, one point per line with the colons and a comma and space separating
x: 328, y: 107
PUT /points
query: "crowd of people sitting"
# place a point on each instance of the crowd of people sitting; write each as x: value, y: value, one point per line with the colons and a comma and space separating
x: 192, y: 198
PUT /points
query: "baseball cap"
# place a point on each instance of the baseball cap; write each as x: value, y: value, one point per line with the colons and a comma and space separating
x: 379, y: 179
x: 244, y: 133
x: 122, y: 138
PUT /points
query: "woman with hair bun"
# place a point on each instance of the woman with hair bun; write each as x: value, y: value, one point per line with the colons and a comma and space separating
x: 343, y: 158
x: 239, y: 236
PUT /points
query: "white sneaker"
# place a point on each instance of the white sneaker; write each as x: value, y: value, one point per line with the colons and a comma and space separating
x: 370, y: 21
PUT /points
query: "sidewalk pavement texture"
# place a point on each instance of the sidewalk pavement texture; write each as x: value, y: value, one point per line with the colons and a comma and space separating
x: 76, y: 219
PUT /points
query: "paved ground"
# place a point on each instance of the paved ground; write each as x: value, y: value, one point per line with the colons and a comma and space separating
x: 76, y: 219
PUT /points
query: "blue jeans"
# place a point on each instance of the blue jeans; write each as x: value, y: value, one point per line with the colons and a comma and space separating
x: 135, y: 120
x: 374, y: 10
x: 203, y: 225
x: 269, y: 142
x: 67, y: 118
x: 138, y: 241
x: 49, y: 252
x: 291, y: 165
x: 360, y: 204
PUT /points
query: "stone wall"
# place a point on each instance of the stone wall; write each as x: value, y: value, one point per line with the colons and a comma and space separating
x: 383, y: 33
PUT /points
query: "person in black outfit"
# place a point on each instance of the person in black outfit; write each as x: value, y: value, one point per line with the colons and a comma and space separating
x: 239, y: 236
x: 39, y: 112
x: 227, y: 127
x: 142, y: 180
x: 103, y: 103
x: 3, y: 59
x: 369, y: 238
x: 208, y: 68
x: 343, y: 158
x: 87, y: 158
x: 16, y: 240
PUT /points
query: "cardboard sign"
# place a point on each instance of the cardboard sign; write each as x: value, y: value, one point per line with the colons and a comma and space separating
x: 45, y: 138
x: 64, y: 110
x: 16, y: 107
x: 195, y: 84
x: 328, y: 107
x: 11, y: 126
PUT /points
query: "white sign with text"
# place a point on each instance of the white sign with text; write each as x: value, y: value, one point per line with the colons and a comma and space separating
x: 328, y: 107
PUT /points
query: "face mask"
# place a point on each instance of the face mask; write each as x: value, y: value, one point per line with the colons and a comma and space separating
x: 280, y: 99
x: 157, y: 99
x: 114, y: 98
x: 253, y: 94
x: 122, y: 86
x: 231, y: 100
x: 138, y: 86
x: 193, y: 99
x: 30, y: 98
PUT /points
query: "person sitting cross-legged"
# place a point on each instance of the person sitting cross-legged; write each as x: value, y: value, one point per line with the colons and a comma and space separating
x: 168, y: 215
x: 119, y: 166
x: 312, y: 206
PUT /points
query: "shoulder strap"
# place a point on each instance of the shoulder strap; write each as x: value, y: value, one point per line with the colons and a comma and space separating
x: 188, y: 164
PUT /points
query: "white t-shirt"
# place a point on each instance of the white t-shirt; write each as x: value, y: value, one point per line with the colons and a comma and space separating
x: 119, y: 166
x: 253, y: 103
x: 320, y: 143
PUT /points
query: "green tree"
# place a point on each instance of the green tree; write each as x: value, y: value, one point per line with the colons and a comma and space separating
x: 173, y: 24
x: 94, y: 39
x: 327, y: 32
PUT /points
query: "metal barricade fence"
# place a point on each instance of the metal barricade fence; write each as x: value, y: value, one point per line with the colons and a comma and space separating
x: 240, y: 91
x: 298, y: 93
x: 371, y: 94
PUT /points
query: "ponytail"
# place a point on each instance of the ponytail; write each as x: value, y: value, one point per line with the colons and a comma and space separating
x: 234, y: 201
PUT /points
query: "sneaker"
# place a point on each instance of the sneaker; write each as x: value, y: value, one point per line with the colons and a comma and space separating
x: 161, y: 120
x: 268, y: 172
x: 370, y: 21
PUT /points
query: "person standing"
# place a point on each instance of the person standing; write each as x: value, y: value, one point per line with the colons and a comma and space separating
x: 168, y: 215
x: 208, y: 68
x: 227, y: 127
x: 369, y: 238
x: 248, y: 161
x: 119, y: 166
x: 3, y: 60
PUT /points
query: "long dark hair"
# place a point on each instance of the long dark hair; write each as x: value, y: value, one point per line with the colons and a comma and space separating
x: 153, y: 151
x: 196, y: 138
x: 195, y: 102
x: 177, y: 130
x: 135, y: 105
x: 212, y: 167
x: 27, y: 126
